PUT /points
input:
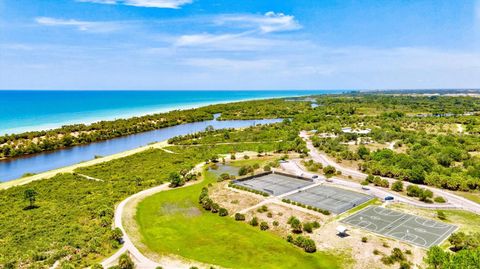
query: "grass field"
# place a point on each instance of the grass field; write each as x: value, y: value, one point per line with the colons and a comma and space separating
x: 472, y: 196
x: 172, y: 222
x: 466, y: 221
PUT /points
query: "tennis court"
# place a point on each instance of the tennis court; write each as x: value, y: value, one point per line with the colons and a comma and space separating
x: 333, y: 199
x: 274, y: 184
x: 415, y: 230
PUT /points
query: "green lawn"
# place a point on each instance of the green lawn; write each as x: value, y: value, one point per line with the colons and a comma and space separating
x: 473, y: 196
x: 172, y: 222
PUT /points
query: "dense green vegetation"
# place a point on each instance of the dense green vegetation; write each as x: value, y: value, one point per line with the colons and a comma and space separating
x: 174, y: 222
x: 79, y: 134
x: 284, y: 135
x: 70, y: 216
x: 428, y: 148
x: 466, y: 253
x: 73, y: 215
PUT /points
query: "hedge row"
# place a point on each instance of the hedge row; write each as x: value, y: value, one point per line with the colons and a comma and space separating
x: 248, y: 189
x: 323, y: 211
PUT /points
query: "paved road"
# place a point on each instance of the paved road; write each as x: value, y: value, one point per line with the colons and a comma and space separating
x: 140, y: 260
x: 453, y: 200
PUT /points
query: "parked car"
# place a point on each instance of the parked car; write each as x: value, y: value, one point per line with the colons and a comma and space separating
x: 389, y: 198
x: 314, y: 176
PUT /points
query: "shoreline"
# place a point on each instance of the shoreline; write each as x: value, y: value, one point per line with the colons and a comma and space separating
x: 71, y: 168
x: 136, y: 112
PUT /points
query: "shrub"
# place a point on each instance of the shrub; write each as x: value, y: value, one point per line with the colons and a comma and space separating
x: 246, y: 157
x: 289, y: 238
x: 263, y: 226
x: 316, y: 224
x: 304, y: 242
x: 222, y: 212
x: 364, y: 239
x: 296, y: 225
x: 97, y: 266
x: 397, y: 255
x: 405, y: 265
x: 223, y: 177
x: 267, y: 168
x: 269, y: 214
x: 307, y: 227
x: 397, y: 186
x: 239, y: 217
x: 275, y: 223
x: 176, y: 180
x: 441, y: 215
x: 309, y: 246
x: 329, y: 171
x: 376, y: 252
x: 387, y: 260
x: 256, y: 166
x: 413, y: 191
x: 254, y: 221
x: 116, y: 234
x: 125, y: 262
x: 262, y: 209
x: 439, y: 199
x: 215, y: 208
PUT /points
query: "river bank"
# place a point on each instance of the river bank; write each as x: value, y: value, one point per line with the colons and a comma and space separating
x: 71, y: 168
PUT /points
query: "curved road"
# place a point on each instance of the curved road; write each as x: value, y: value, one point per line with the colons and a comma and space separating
x: 141, y: 261
x: 454, y: 200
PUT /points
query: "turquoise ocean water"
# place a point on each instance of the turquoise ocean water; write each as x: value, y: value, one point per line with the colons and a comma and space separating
x: 37, y: 110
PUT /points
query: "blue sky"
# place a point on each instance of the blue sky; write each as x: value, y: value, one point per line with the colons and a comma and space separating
x: 242, y: 44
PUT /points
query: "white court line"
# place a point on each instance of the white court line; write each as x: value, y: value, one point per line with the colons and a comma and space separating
x: 393, y: 228
x: 441, y: 237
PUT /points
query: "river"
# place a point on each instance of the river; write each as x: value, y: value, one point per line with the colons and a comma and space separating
x: 15, y: 168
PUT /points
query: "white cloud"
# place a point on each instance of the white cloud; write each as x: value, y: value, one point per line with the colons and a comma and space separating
x: 268, y: 23
x: 80, y: 25
x: 232, y: 64
x: 175, y: 4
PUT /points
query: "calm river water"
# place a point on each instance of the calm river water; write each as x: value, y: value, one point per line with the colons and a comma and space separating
x: 42, y: 162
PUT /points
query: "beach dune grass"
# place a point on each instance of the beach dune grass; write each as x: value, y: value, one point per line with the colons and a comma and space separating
x: 172, y: 223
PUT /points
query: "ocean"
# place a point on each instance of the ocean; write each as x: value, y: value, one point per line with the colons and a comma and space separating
x: 33, y: 110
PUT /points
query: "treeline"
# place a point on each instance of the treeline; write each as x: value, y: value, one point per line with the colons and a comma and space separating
x: 79, y: 134
x: 438, y: 151
x: 284, y: 135
x: 465, y: 253
x: 14, y: 145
